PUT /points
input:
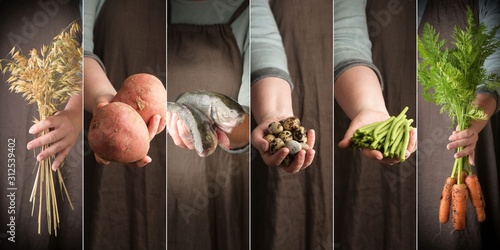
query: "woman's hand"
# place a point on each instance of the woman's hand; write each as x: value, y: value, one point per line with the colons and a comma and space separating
x: 367, y: 117
x: 64, y: 128
x: 178, y: 131
x: 302, y: 159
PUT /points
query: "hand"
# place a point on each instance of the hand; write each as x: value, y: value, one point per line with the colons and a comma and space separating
x: 367, y: 117
x: 64, y: 126
x: 467, y: 139
x: 178, y: 131
x: 302, y: 159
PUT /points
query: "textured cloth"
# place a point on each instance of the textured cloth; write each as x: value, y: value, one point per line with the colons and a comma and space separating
x: 29, y: 25
x: 435, y: 162
x: 375, y: 203
x: 295, y: 211
x: 207, y: 197
x: 124, y: 205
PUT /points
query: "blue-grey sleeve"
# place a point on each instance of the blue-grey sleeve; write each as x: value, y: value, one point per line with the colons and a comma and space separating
x: 489, y: 14
x: 267, y: 52
x: 352, y: 45
x: 91, y: 9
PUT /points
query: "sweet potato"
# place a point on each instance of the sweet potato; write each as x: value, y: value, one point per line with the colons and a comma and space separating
x: 145, y: 93
x: 118, y: 133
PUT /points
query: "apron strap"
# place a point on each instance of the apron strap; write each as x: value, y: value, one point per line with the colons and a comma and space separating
x: 238, y: 11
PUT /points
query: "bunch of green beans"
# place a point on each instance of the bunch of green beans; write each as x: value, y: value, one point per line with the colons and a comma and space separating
x: 390, y: 137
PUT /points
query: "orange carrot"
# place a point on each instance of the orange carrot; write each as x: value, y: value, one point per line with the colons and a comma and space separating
x: 459, y: 196
x: 444, y: 205
x: 476, y: 196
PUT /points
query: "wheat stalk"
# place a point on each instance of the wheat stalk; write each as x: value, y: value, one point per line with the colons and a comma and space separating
x: 49, y: 78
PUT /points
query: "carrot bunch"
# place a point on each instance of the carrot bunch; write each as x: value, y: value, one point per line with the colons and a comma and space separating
x: 458, y: 188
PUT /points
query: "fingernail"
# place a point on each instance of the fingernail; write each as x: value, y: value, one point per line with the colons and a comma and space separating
x: 28, y: 146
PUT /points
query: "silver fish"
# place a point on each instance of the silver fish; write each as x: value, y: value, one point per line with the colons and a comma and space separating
x: 225, y: 112
x: 200, y: 127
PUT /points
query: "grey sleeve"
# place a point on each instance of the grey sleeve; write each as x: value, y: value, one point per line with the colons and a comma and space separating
x: 489, y: 14
x: 267, y: 52
x: 241, y: 32
x: 352, y: 44
x: 91, y: 9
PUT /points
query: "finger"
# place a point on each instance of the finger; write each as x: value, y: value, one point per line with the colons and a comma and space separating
x: 173, y: 131
x: 101, y: 160
x: 412, y: 143
x: 471, y: 158
x: 143, y: 162
x: 311, y: 138
x: 46, y: 139
x: 60, y: 158
x: 310, y: 153
x: 52, y: 150
x: 185, y: 135
x: 44, y: 124
x: 461, y: 134
x: 297, y: 163
x: 161, y: 127
x: 276, y: 159
x: 372, y: 154
x: 154, y: 122
x: 464, y: 152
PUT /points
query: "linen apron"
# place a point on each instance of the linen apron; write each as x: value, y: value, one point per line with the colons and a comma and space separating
x: 295, y: 211
x: 207, y: 197
x: 436, y: 162
x: 19, y: 26
x: 125, y: 205
x: 375, y: 203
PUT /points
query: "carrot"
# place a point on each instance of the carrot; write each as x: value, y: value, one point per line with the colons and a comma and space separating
x: 476, y: 196
x: 459, y: 196
x: 444, y: 206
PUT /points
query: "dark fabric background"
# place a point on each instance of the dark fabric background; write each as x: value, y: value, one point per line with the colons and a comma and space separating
x: 125, y: 206
x: 436, y: 163
x: 34, y: 26
x: 375, y: 203
x: 294, y: 211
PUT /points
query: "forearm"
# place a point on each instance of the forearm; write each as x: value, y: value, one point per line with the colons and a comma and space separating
x: 74, y: 105
x: 97, y: 86
x: 240, y: 136
x: 271, y: 99
x: 488, y: 104
x: 357, y: 90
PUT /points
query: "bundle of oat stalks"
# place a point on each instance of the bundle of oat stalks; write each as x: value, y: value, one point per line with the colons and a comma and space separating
x: 49, y: 78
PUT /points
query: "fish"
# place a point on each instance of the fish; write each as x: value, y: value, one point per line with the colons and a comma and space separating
x: 202, y: 129
x: 224, y: 111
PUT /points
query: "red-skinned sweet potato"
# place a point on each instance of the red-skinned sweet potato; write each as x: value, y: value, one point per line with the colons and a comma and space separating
x: 145, y: 93
x: 118, y: 133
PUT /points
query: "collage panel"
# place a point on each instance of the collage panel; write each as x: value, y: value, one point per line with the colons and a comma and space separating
x: 41, y: 124
x: 458, y: 50
x: 292, y: 92
x: 375, y: 169
x: 124, y: 124
x: 208, y: 123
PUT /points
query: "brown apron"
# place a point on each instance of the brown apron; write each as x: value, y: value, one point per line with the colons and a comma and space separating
x: 295, y: 211
x: 125, y: 206
x: 436, y: 162
x: 207, y: 197
x: 375, y: 204
x: 17, y: 23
